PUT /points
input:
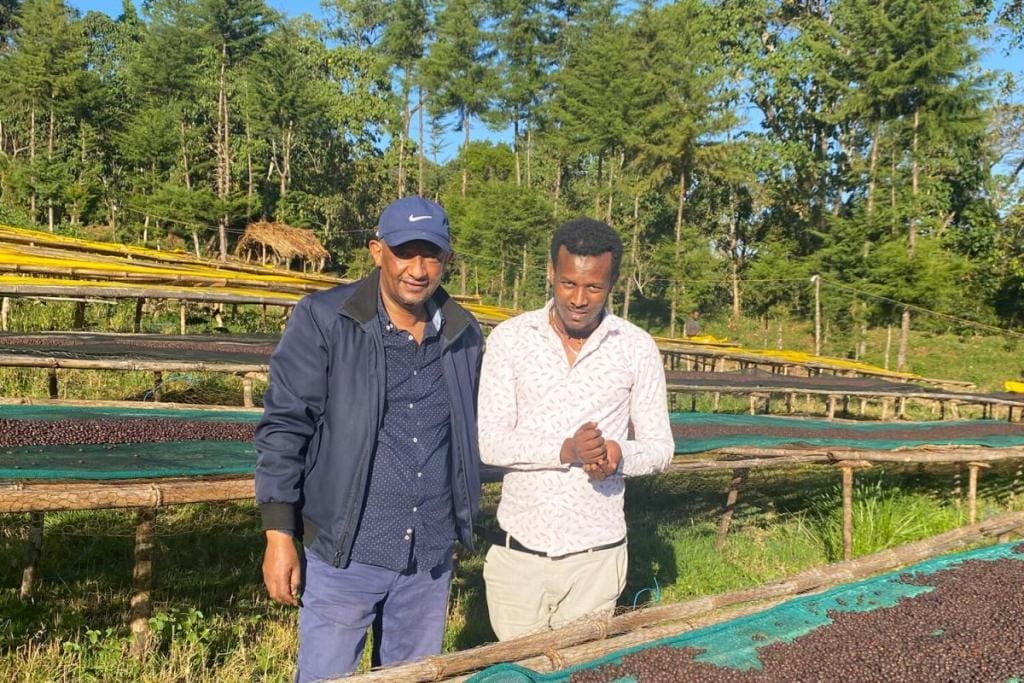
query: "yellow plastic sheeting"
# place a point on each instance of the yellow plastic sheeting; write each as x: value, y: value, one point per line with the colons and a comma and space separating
x: 1014, y: 387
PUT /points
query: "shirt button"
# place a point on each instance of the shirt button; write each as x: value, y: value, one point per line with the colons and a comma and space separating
x: 410, y: 337
x: 408, y: 531
x: 415, y: 440
x: 414, y: 372
x: 419, y: 474
x: 410, y: 406
x: 415, y: 509
x: 407, y: 538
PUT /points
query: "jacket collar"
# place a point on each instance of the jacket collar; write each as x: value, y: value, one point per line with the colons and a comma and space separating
x: 362, y: 307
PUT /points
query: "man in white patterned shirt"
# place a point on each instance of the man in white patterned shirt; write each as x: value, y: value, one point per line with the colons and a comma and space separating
x: 572, y: 400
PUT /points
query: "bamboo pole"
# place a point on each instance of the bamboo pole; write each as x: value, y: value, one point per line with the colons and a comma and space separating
x: 5, y: 314
x: 158, y: 385
x: 147, y: 493
x: 181, y: 316
x: 33, y: 551
x: 11, y: 360
x: 134, y: 405
x: 739, y: 476
x: 142, y: 582
x: 587, y: 630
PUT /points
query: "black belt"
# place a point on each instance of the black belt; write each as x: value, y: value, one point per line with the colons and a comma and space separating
x: 504, y: 539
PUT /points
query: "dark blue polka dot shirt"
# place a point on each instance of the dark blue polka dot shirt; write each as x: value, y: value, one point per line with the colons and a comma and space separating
x: 408, y: 521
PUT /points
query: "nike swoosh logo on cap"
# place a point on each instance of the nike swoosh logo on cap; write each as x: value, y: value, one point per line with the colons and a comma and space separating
x: 413, y: 219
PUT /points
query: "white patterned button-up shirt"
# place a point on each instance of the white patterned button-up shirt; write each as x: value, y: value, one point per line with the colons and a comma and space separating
x: 531, y: 400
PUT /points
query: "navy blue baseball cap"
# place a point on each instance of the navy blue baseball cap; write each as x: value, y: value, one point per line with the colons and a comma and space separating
x: 414, y: 218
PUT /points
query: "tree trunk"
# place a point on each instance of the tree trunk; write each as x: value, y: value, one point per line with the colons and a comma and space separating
x: 515, y: 149
x: 49, y: 160
x: 529, y: 156
x: 250, y: 190
x: 873, y: 169
x: 465, y: 152
x: 404, y: 135
x: 914, y: 180
x: 187, y: 176
x: 901, y: 355
x: 287, y: 142
x: 677, y: 253
x: 223, y: 152
x: 627, y: 295
x: 422, y: 162
x: 32, y: 159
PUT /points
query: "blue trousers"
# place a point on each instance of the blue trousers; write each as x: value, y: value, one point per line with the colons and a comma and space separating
x: 407, y: 613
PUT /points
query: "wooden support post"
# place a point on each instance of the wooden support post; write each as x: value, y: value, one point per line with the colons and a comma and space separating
x: 5, y: 314
x: 846, y: 404
x: 753, y: 404
x: 901, y: 411
x: 33, y: 550
x: 52, y: 382
x: 957, y: 484
x: 831, y: 406
x: 140, y: 303
x: 1018, y: 478
x: 847, y: 467
x: 739, y: 476
x: 954, y: 410
x: 863, y: 407
x: 886, y: 407
x: 847, y: 513
x: 78, y: 318
x: 247, y: 392
x: 942, y: 410
x: 716, y: 401
x: 142, y: 582
x: 181, y: 317
x: 972, y: 490
x: 158, y: 386
x: 789, y: 402
x: 693, y: 402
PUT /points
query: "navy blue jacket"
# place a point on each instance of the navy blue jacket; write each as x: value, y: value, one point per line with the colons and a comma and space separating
x: 324, y: 407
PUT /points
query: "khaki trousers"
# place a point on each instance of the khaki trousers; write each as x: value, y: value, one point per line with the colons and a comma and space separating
x: 528, y: 593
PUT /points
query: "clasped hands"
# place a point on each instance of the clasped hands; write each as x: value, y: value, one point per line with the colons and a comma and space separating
x: 588, y: 448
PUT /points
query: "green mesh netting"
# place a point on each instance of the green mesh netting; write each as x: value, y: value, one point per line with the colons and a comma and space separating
x: 126, y: 461
x: 734, y: 644
x: 700, y: 432
x: 129, y: 461
x: 66, y: 412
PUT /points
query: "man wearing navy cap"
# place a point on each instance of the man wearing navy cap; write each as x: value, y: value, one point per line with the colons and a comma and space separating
x: 367, y: 452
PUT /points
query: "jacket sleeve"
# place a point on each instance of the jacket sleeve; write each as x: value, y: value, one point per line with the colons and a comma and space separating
x: 501, y: 443
x: 652, y: 446
x: 293, y: 406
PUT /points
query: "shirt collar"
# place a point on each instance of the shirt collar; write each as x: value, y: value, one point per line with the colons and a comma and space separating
x: 540, y: 320
x: 435, y: 317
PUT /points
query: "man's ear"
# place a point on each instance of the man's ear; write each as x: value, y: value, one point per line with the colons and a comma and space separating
x: 376, y: 248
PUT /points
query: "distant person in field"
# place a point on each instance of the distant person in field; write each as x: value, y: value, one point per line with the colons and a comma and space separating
x: 368, y: 452
x: 692, y: 326
x: 572, y: 401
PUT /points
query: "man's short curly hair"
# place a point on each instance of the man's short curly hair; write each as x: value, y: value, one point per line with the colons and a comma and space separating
x: 585, y: 236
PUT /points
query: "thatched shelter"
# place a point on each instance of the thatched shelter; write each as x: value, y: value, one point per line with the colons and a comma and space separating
x: 281, y: 244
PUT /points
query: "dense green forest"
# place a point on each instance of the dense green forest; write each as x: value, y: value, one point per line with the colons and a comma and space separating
x: 740, y: 147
